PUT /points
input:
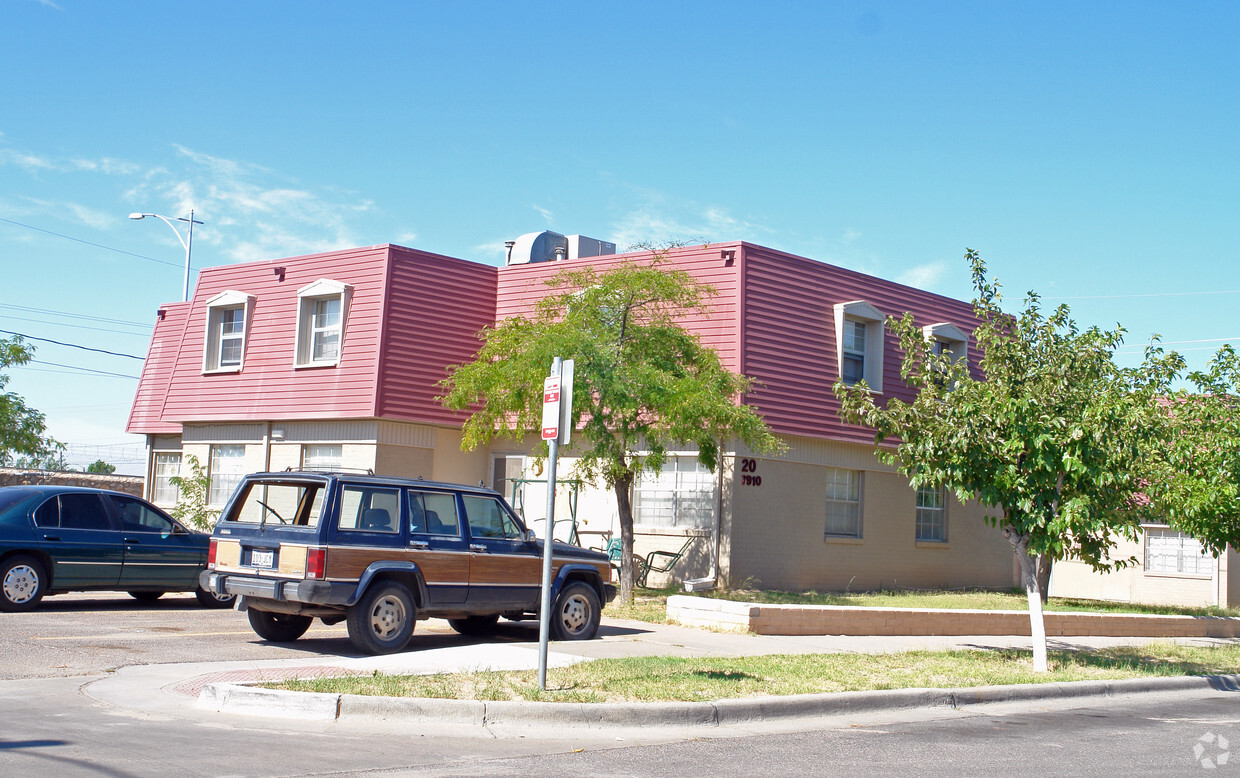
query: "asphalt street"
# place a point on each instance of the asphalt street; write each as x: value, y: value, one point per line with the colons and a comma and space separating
x: 97, y: 686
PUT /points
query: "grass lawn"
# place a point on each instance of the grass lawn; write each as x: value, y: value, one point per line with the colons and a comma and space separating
x: 649, y: 679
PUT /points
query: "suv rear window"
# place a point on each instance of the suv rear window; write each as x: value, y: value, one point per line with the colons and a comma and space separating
x: 295, y: 504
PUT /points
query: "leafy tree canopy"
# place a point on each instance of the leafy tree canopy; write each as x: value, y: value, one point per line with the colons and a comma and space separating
x: 99, y: 466
x: 1050, y: 436
x: 642, y: 382
x: 1194, y: 468
x: 22, y: 428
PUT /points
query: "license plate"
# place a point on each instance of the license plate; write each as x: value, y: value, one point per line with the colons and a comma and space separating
x: 263, y: 559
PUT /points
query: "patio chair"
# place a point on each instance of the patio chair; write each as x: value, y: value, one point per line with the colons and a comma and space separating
x: 661, y: 561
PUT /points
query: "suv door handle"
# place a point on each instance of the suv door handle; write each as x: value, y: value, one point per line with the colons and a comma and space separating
x: 51, y: 537
x: 478, y: 547
x: 419, y: 544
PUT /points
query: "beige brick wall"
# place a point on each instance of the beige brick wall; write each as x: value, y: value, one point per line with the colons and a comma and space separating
x: 778, y: 537
x: 1071, y: 578
x: 843, y: 620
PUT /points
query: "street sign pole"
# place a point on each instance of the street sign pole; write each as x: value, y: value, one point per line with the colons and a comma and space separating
x: 557, y: 425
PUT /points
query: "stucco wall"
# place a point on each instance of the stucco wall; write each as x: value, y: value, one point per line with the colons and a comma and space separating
x: 778, y: 538
x: 1133, y: 584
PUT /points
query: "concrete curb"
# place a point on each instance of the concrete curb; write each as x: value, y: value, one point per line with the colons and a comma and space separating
x: 612, y: 717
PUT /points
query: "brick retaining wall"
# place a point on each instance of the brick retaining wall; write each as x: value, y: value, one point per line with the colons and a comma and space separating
x: 849, y: 620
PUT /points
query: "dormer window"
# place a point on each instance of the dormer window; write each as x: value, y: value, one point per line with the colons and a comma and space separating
x: 947, y: 339
x: 323, y: 309
x: 228, y: 315
x: 859, y: 329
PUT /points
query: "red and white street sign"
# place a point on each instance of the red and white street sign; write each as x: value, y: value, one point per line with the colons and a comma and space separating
x: 551, y: 408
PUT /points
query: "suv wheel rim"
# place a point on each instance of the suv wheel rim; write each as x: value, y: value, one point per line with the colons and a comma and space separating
x: 575, y: 613
x: 20, y: 583
x: 387, y: 616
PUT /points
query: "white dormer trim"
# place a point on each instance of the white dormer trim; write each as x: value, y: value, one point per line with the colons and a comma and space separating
x: 874, y: 322
x: 217, y: 306
x: 951, y: 336
x: 307, y: 298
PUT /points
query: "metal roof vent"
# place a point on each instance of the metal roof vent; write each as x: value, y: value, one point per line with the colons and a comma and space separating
x: 546, y: 245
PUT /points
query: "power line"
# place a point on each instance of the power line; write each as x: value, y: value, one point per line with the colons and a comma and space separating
x: 78, y: 326
x: 85, y: 369
x: 67, y: 315
x: 71, y: 345
x: 88, y: 243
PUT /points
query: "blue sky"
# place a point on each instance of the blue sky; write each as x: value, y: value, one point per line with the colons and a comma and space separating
x: 1087, y: 149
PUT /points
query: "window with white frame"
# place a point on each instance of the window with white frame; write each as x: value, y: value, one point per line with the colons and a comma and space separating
x: 227, y: 470
x: 1168, y: 551
x: 947, y: 338
x: 843, y: 503
x: 228, y: 315
x: 163, y: 491
x: 859, y: 329
x: 322, y: 456
x: 931, y: 514
x: 323, y: 309
x: 680, y: 494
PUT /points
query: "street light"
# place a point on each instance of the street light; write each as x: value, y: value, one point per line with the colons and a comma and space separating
x: 188, y: 244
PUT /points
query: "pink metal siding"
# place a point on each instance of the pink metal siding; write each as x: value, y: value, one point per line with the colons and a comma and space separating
x: 436, y: 306
x: 789, y: 325
x: 145, y: 417
x: 269, y: 386
x: 413, y: 313
x: 521, y: 286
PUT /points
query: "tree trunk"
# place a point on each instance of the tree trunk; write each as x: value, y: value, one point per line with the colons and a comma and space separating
x: 1029, y: 577
x: 1044, y: 576
x: 624, y: 505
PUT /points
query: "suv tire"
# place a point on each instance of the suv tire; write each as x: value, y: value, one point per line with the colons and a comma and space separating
x: 575, y: 614
x: 22, y: 583
x: 382, y: 621
x: 474, y: 625
x: 278, y: 627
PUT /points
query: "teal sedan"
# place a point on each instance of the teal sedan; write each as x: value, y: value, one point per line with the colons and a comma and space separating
x: 57, y: 539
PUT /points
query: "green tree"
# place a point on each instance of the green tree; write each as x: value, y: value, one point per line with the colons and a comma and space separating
x: 642, y: 382
x: 1194, y: 467
x: 1050, y: 438
x: 193, y: 505
x: 52, y: 458
x: 99, y: 466
x: 22, y: 428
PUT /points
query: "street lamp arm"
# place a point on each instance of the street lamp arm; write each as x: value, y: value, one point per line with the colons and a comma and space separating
x: 186, y: 243
x: 167, y: 221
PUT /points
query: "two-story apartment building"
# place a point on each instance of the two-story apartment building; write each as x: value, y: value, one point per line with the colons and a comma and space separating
x: 332, y: 360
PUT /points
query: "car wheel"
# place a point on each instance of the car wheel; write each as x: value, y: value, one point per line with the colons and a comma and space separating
x: 576, y: 612
x: 382, y: 621
x: 145, y: 596
x: 22, y: 582
x: 474, y: 625
x: 278, y: 627
x: 212, y: 600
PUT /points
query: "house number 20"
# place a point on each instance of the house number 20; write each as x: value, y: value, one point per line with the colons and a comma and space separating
x: 748, y: 469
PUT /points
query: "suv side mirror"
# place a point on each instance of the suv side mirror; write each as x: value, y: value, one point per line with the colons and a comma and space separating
x: 529, y: 536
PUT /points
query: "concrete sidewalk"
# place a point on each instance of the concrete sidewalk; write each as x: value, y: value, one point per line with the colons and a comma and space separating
x: 221, y: 687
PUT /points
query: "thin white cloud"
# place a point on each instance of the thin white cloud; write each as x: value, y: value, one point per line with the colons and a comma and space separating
x: 546, y: 214
x: 248, y: 213
x: 660, y: 222
x: 924, y: 276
